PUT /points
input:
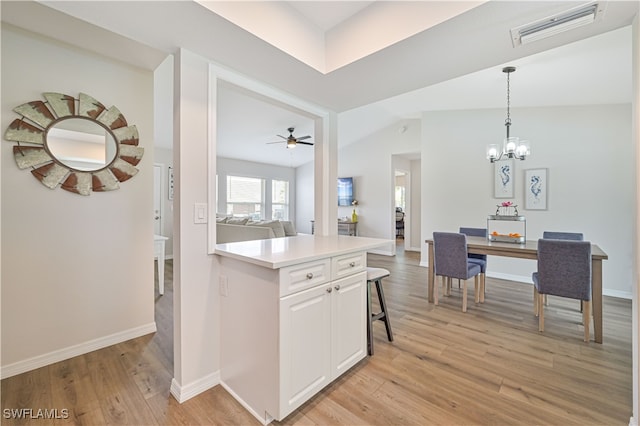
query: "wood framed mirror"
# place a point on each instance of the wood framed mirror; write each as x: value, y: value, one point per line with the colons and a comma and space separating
x: 77, y: 144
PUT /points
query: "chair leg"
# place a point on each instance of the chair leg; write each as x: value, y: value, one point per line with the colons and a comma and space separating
x: 435, y: 290
x: 482, y: 289
x: 535, y: 301
x: 446, y: 286
x: 449, y: 284
x: 586, y: 318
x: 383, y: 307
x: 464, y: 296
x: 369, y: 320
x: 476, y: 288
x: 540, y: 312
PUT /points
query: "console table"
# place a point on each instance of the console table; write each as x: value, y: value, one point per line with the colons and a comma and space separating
x: 158, y: 253
x: 345, y: 227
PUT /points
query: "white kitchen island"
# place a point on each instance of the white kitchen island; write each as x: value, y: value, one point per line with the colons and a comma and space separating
x: 293, y: 317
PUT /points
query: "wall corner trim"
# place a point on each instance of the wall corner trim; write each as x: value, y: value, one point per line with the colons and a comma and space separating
x: 75, y: 350
x: 183, y: 393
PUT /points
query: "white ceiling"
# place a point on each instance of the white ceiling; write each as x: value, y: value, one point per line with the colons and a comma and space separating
x: 453, y: 65
x: 327, y: 14
x: 328, y: 35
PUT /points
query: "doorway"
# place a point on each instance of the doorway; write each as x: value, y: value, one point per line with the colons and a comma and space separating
x: 157, y: 198
x: 406, y: 200
x: 401, y: 198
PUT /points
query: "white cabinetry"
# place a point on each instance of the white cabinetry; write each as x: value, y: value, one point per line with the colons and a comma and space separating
x: 289, y: 332
x: 322, y: 332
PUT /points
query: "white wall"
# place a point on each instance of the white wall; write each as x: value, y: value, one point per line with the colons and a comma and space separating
x: 231, y: 167
x: 304, y: 197
x: 369, y: 162
x: 588, y: 152
x: 635, y: 72
x: 416, y: 206
x: 77, y: 272
x: 196, y: 303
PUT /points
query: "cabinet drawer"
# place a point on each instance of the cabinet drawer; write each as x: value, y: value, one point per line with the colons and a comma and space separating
x: 306, y: 275
x: 348, y: 264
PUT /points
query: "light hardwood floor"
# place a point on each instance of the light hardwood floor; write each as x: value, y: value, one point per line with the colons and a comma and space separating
x: 488, y: 366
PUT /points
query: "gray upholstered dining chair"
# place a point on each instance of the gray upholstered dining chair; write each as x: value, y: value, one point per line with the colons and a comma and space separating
x: 564, y: 269
x: 575, y: 236
x: 559, y: 235
x: 450, y: 258
x: 480, y: 259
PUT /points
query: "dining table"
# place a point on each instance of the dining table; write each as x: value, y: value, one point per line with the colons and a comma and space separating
x: 529, y: 250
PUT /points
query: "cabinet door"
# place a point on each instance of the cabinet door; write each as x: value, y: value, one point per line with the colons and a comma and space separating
x: 349, y: 326
x: 305, y: 346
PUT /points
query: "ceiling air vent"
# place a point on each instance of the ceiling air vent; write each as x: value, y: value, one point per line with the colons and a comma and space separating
x: 556, y: 24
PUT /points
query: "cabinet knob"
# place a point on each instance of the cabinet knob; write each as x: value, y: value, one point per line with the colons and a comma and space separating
x: 337, y: 287
x: 352, y: 264
x: 329, y: 290
x: 309, y: 275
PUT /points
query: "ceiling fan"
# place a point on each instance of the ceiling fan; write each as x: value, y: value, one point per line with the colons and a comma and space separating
x: 291, y: 140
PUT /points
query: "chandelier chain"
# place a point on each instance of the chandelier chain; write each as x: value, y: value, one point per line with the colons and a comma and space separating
x: 508, y: 120
x: 513, y: 147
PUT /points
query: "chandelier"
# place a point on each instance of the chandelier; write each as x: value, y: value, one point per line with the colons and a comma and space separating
x: 512, y: 146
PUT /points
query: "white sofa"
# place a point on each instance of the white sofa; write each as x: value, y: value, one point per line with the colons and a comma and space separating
x: 245, y: 230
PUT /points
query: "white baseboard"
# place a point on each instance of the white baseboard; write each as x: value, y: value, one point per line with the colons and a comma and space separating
x: 265, y: 420
x: 381, y: 252
x: 617, y: 293
x: 412, y: 249
x: 183, y: 393
x: 633, y: 421
x: 75, y: 350
x: 510, y: 277
x: 527, y: 280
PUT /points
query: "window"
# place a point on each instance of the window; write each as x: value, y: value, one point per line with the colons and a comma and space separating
x: 400, y: 197
x: 280, y: 199
x: 401, y: 189
x: 245, y: 197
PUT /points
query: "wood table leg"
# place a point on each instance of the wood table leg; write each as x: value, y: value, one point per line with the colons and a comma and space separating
x: 432, y: 273
x: 596, y: 298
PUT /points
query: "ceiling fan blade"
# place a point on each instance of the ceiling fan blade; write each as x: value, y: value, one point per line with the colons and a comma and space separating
x: 301, y: 138
x: 305, y: 143
x: 283, y: 137
x: 268, y: 143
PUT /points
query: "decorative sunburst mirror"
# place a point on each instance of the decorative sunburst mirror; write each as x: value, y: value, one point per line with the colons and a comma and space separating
x: 78, y: 144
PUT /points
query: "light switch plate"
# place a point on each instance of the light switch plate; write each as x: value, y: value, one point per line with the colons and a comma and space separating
x: 200, y: 213
x: 224, y: 285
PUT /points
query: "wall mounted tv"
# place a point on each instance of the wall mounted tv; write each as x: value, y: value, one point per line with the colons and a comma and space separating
x: 345, y: 191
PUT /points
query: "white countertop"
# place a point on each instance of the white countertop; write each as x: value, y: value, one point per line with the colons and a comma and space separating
x: 275, y: 253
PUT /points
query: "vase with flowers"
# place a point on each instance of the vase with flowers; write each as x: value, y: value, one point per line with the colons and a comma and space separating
x: 507, y: 208
x: 354, y: 215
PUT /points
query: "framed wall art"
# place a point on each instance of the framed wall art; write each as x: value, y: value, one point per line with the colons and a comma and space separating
x: 535, y: 189
x: 503, y: 179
